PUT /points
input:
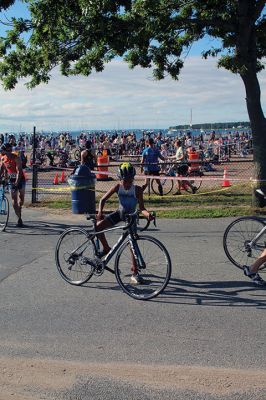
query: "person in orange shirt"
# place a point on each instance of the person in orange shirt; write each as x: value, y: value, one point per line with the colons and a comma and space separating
x: 11, y: 168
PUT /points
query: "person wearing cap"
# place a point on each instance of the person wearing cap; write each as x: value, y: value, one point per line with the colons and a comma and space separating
x: 11, y: 167
x: 129, y: 195
x: 150, y: 163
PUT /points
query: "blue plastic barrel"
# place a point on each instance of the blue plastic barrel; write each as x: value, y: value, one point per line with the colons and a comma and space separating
x: 82, y: 184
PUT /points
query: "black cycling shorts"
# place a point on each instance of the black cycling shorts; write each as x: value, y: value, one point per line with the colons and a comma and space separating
x: 115, y: 217
x: 182, y: 169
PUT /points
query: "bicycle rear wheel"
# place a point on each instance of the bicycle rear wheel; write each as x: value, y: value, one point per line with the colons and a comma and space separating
x: 237, y: 237
x: 74, y: 255
x: 167, y: 185
x: 4, y: 213
x: 155, y: 275
x: 198, y: 182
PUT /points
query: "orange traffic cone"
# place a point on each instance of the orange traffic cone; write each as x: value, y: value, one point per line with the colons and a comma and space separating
x: 62, y: 179
x: 56, y: 182
x: 226, y: 182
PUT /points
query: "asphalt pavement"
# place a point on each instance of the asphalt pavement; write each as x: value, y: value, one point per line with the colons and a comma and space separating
x: 203, y: 338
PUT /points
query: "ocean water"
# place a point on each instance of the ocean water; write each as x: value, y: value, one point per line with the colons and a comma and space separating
x: 165, y: 132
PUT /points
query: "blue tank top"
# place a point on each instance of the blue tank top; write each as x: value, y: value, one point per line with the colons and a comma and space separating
x: 151, y: 155
x: 127, y: 199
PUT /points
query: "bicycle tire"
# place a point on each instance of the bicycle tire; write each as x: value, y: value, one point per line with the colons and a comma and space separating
x: 156, y: 274
x: 167, y: 185
x: 4, y: 213
x: 197, y: 183
x: 235, y: 239
x: 188, y: 188
x: 77, y: 154
x: 74, y: 267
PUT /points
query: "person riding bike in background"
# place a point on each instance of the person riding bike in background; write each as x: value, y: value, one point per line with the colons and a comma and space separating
x: 11, y: 168
x: 150, y: 163
x: 182, y: 166
x: 129, y: 196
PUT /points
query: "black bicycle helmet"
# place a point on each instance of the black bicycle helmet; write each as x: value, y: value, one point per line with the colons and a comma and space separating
x: 126, y: 170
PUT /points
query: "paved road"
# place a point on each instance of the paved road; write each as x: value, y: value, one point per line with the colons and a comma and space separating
x: 202, y: 339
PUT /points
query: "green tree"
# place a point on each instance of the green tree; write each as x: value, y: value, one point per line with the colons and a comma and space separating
x: 83, y: 35
x: 4, y: 4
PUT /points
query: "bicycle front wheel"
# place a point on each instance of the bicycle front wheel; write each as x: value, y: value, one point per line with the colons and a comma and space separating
x: 4, y: 213
x: 156, y: 274
x: 167, y: 185
x: 237, y: 238
x: 74, y: 255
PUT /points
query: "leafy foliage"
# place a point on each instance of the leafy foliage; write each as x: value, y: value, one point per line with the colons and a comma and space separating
x: 83, y: 35
x: 5, y: 4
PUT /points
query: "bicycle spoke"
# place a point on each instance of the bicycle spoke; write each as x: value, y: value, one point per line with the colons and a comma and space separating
x: 237, y: 238
x: 74, y: 256
x: 154, y: 277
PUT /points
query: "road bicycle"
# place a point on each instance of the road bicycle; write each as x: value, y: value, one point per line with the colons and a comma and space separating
x: 4, y: 207
x: 244, y: 240
x: 190, y: 186
x: 78, y: 258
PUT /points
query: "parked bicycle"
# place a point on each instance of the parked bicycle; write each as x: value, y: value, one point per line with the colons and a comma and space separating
x: 4, y: 206
x: 78, y: 259
x: 186, y: 185
x: 40, y: 157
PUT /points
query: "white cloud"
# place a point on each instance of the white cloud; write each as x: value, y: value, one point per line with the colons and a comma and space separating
x: 123, y: 98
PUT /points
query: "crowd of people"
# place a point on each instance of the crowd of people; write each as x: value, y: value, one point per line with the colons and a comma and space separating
x: 213, y: 146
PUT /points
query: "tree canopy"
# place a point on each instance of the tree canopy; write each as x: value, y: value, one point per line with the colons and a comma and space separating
x: 82, y: 35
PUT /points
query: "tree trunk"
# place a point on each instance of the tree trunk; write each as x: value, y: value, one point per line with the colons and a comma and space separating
x: 258, y: 126
x: 247, y: 58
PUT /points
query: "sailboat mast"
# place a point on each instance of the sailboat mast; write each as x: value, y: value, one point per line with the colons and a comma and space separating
x: 191, y: 118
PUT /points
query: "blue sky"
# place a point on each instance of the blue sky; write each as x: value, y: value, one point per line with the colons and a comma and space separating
x: 119, y: 98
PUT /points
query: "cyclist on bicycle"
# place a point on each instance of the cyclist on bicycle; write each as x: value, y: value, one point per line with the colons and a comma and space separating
x: 182, y: 167
x: 129, y: 196
x: 11, y: 168
x: 252, y: 271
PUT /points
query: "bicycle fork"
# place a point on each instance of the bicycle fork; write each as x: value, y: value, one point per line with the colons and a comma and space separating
x: 136, y: 253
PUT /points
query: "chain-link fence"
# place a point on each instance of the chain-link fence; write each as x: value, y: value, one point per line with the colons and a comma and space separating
x: 50, y: 184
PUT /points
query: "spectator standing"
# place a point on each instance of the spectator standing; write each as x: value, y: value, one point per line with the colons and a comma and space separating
x: 150, y: 163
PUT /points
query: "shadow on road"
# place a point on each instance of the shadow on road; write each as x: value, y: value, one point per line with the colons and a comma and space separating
x: 214, y: 293
x: 33, y: 228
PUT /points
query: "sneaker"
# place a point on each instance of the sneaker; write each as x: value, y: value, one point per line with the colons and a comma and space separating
x: 256, y: 278
x: 19, y: 223
x: 194, y: 189
x: 137, y: 279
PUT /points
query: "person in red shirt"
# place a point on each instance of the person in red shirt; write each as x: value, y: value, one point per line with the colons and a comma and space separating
x: 11, y: 168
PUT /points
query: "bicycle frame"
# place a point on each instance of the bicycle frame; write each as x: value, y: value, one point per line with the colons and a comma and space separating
x: 129, y: 233
x: 253, y: 242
